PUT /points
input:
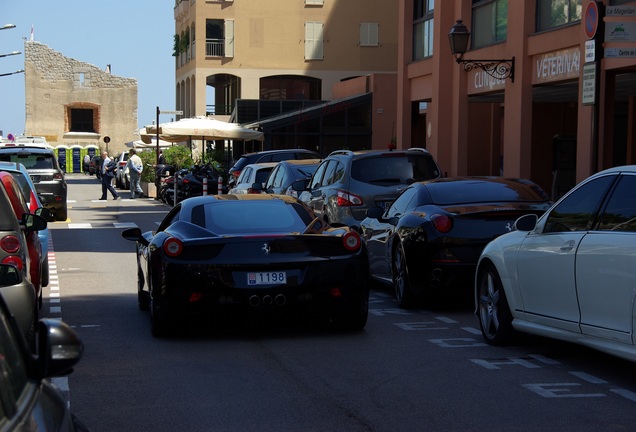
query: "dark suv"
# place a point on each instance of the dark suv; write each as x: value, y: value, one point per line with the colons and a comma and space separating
x: 46, y: 174
x: 268, y: 156
x: 347, y: 183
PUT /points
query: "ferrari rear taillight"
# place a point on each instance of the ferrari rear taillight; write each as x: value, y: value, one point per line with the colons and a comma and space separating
x: 347, y: 199
x: 14, y: 261
x: 10, y: 244
x: 442, y: 223
x: 172, y: 247
x: 57, y: 176
x: 351, y: 241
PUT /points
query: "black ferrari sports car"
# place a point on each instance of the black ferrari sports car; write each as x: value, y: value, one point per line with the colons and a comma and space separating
x: 259, y: 252
x: 431, y: 236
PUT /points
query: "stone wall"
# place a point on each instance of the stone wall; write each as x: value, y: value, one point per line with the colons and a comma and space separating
x: 55, y: 84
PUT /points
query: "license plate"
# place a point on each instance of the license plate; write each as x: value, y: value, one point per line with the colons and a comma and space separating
x: 266, y: 278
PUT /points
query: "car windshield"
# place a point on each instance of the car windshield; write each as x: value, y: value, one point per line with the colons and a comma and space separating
x: 30, y: 161
x: 398, y: 169
x: 251, y: 217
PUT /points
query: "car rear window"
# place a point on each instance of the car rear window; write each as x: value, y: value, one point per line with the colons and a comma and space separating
x: 262, y: 174
x: 484, y: 192
x: 30, y: 161
x: 251, y: 217
x: 399, y: 169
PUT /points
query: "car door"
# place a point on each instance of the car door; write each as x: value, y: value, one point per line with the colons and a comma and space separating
x: 605, y: 263
x: 546, y: 259
x: 378, y: 235
x: 316, y: 202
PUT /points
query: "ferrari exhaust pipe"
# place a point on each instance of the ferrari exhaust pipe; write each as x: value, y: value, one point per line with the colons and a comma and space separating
x: 267, y: 300
x: 254, y: 300
x: 280, y: 300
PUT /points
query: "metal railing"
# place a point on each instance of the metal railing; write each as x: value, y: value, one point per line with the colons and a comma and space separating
x: 215, y: 47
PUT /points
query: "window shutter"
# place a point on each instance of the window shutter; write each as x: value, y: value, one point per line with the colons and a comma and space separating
x: 229, y: 38
x: 313, y: 40
x: 369, y: 34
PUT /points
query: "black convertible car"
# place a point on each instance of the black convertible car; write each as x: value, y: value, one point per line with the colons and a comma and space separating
x: 249, y: 252
x: 431, y: 237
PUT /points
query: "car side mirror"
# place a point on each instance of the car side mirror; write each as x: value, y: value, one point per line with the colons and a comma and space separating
x: 59, y: 348
x: 45, y: 214
x: 9, y: 275
x: 300, y: 185
x: 134, y: 234
x: 33, y: 222
x: 257, y: 186
x: 526, y: 222
x: 375, y: 213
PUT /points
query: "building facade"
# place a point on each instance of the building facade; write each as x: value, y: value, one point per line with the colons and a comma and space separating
x: 72, y: 103
x: 248, y: 60
x: 567, y: 111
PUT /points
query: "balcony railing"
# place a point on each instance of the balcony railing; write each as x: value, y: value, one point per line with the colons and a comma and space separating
x: 215, y: 47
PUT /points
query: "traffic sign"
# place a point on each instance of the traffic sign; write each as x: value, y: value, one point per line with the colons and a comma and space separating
x: 591, y: 19
x: 170, y: 112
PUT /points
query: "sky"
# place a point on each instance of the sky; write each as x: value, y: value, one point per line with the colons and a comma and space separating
x: 134, y: 36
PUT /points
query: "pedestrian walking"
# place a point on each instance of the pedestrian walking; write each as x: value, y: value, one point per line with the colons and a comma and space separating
x: 87, y: 162
x: 135, y: 167
x: 108, y: 174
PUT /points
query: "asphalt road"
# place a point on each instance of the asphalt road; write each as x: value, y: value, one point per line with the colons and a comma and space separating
x: 416, y: 370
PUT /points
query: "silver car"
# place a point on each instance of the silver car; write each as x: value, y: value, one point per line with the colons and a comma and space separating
x: 347, y: 183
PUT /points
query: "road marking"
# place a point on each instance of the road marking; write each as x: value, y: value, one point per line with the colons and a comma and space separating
x: 559, y: 390
x: 446, y: 320
x: 472, y: 330
x: 625, y: 393
x: 496, y: 363
x: 419, y: 326
x: 457, y: 343
x: 589, y: 378
x: 125, y: 225
x: 79, y: 225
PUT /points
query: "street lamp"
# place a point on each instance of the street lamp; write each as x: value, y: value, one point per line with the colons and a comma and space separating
x: 499, y: 69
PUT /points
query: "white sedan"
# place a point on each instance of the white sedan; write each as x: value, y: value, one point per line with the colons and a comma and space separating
x: 569, y: 275
x: 253, y: 173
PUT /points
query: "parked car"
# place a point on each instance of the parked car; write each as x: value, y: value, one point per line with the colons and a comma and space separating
x: 28, y: 400
x: 290, y: 171
x: 347, y: 183
x: 255, y: 253
x: 569, y: 274
x: 21, y: 175
x: 429, y: 240
x: 253, y: 173
x: 268, y: 156
x: 122, y: 176
x: 45, y: 171
x: 22, y: 298
x: 94, y: 167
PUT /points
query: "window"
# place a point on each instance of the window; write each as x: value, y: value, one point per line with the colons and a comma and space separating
x: 422, y: 29
x: 490, y: 22
x: 557, y: 13
x: 81, y: 120
x: 369, y: 34
x: 620, y: 214
x: 313, y: 40
x: 577, y: 211
x: 214, y: 39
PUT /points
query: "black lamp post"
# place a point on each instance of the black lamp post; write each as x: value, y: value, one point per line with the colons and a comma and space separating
x: 499, y: 69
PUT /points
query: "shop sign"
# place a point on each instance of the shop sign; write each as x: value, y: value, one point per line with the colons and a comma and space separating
x: 588, y: 89
x: 620, y: 52
x: 479, y: 81
x: 556, y: 66
x: 620, y: 11
x: 620, y: 31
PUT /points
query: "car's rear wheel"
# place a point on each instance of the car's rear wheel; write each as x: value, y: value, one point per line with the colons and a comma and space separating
x: 495, y: 318
x: 401, y: 286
